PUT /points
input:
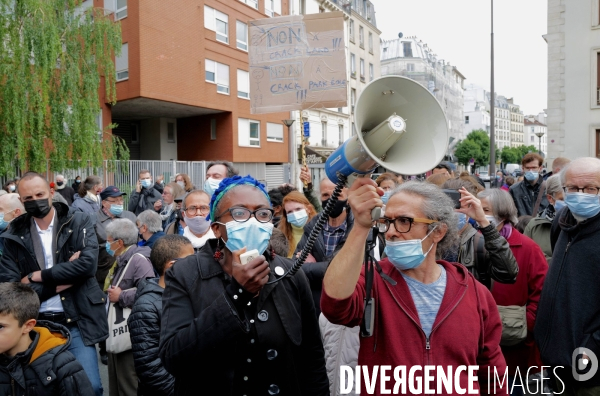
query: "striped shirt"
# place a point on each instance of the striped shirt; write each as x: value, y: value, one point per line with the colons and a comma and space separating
x: 427, y: 298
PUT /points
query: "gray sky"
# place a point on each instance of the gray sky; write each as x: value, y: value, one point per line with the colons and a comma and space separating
x: 459, y: 32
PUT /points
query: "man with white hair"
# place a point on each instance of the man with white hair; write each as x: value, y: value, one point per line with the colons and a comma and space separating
x: 149, y: 226
x: 10, y: 208
x: 567, y: 329
x: 63, y: 189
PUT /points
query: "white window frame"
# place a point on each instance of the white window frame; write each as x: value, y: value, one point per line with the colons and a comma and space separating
x: 351, y: 30
x: 251, y: 3
x: 361, y: 36
x: 352, y: 65
x: 274, y: 132
x: 371, y: 42
x: 122, y: 63
x: 122, y: 10
x: 244, y: 138
x: 241, y: 44
x: 371, y: 72
x: 272, y: 7
x: 362, y: 68
x: 211, y: 16
x: 243, y: 84
x: 212, y: 66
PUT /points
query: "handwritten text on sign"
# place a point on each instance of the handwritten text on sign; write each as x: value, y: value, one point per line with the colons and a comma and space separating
x: 297, y: 62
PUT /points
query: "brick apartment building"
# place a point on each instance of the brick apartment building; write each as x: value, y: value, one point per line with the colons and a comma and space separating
x: 183, y: 82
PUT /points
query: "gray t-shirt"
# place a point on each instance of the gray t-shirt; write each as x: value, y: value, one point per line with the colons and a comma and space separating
x: 427, y: 298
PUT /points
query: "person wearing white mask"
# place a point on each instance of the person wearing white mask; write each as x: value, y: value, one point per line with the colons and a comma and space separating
x: 184, y: 181
x: 10, y: 208
x: 297, y: 211
x: 195, y: 209
x: 145, y: 195
x: 215, y: 172
x: 87, y: 199
x: 481, y: 249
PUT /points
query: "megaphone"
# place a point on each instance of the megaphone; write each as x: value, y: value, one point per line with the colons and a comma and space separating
x: 399, y: 125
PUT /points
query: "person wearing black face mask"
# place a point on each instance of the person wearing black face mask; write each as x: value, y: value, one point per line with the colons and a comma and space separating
x: 330, y: 241
x: 65, y: 191
x: 55, y: 252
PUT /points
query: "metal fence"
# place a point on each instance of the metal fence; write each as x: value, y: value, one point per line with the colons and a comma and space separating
x: 126, y: 178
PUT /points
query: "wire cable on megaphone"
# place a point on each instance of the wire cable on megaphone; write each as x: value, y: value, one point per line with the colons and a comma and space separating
x: 316, y: 231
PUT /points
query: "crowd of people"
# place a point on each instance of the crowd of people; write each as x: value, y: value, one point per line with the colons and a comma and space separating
x: 453, y: 273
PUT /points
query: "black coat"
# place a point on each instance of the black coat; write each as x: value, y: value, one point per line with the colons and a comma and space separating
x: 67, y: 193
x: 54, y: 370
x: 144, y: 327
x: 567, y: 315
x: 83, y: 303
x: 140, y: 201
x: 525, y: 194
x: 214, y: 343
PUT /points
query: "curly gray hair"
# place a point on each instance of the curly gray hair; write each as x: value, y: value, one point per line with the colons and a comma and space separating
x: 123, y: 229
x: 436, y: 206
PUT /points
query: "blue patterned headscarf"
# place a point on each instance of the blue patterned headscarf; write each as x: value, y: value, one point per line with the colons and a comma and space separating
x: 229, y: 183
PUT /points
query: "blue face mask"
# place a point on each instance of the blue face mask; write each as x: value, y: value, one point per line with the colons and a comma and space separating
x: 3, y: 224
x: 407, y: 255
x: 298, y: 218
x: 559, y: 204
x: 251, y: 234
x: 462, y: 220
x: 583, y: 205
x: 146, y: 183
x: 531, y: 176
x: 386, y: 196
x: 108, y: 249
x: 116, y: 209
x: 211, y: 185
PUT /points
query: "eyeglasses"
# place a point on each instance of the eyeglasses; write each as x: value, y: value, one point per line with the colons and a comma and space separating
x: 263, y: 215
x: 588, y: 190
x: 402, y: 224
x: 192, y: 210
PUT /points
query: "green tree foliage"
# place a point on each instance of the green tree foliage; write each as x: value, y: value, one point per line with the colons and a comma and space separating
x: 513, y: 155
x: 476, y: 146
x: 53, y: 59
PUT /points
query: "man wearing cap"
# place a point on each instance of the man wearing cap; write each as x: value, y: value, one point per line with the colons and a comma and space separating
x: 112, y: 208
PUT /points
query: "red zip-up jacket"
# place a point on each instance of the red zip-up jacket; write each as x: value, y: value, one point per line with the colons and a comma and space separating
x: 525, y: 291
x: 466, y: 331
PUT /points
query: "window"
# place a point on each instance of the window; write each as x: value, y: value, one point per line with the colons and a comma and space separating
x: 351, y: 30
x: 274, y: 132
x: 362, y: 69
x: 213, y: 129
x: 341, y: 137
x: 532, y: 139
x: 243, y: 84
x: 323, y: 133
x: 170, y: 132
x: 241, y: 35
x: 466, y: 119
x: 122, y: 63
x: 370, y: 42
x: 407, y: 49
x: 217, y: 21
x: 248, y: 132
x: 361, y: 37
x: 371, y: 72
x: 251, y: 3
x: 410, y: 67
x: 120, y: 9
x: 352, y: 98
x: 217, y: 73
x: 352, y: 65
x: 272, y: 7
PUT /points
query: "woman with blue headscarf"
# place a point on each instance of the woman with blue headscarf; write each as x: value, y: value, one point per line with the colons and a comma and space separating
x: 224, y: 329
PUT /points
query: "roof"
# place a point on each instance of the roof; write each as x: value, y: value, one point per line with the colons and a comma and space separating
x: 534, y: 122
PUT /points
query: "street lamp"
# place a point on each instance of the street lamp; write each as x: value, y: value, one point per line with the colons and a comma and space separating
x: 539, y: 135
x: 293, y: 152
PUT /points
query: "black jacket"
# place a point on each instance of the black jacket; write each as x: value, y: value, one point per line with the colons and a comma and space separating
x: 140, y: 201
x: 144, y: 327
x: 54, y: 370
x: 67, y: 193
x: 214, y: 343
x: 524, y: 194
x: 567, y: 315
x: 83, y: 303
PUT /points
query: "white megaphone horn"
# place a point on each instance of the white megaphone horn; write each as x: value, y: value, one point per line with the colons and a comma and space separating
x: 399, y: 125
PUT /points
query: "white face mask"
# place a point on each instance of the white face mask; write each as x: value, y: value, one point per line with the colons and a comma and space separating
x: 493, y: 220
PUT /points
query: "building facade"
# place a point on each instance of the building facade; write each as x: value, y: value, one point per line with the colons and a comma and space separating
x: 184, y: 86
x: 414, y: 59
x: 476, y: 109
x: 517, y: 138
x: 536, y: 133
x: 573, y: 79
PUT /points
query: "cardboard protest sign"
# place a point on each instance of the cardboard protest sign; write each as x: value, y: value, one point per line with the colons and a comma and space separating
x: 297, y: 62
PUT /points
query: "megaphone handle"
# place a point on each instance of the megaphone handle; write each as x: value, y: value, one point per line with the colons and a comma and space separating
x: 376, y: 214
